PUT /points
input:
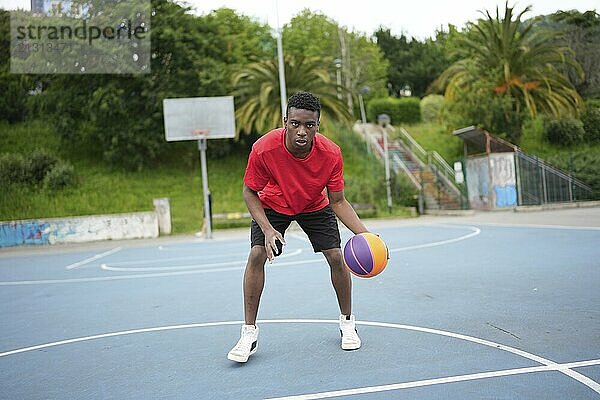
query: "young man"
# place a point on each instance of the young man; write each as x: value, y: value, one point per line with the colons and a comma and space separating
x: 295, y: 173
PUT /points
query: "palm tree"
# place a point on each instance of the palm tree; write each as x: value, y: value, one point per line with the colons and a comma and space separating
x: 256, y: 89
x: 510, y: 58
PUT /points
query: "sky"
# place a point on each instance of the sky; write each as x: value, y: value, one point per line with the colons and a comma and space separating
x: 414, y: 18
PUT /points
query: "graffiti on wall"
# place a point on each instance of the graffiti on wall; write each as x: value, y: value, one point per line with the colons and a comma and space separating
x: 504, y: 182
x: 79, y: 229
x: 26, y: 232
x: 491, y: 181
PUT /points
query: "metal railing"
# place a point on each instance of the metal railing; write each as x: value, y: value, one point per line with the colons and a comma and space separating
x: 540, y: 183
x: 396, y: 160
x: 444, y: 172
x: 413, y: 146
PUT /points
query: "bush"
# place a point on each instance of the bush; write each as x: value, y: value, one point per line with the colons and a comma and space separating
x: 591, y: 122
x: 431, y: 107
x: 37, y: 167
x: 40, y: 163
x: 13, y: 169
x: 59, y: 177
x: 405, y: 110
x: 409, y: 110
x: 13, y: 102
x: 564, y: 131
x: 385, y: 105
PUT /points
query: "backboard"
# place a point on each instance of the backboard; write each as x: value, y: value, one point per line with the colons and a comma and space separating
x: 183, y: 116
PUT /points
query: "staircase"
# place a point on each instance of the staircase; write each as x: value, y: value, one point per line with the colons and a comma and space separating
x: 428, y: 171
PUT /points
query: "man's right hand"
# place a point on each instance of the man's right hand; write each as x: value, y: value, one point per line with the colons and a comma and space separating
x: 271, y: 238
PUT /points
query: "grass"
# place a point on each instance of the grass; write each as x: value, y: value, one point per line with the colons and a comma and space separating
x: 432, y: 136
x: 102, y: 189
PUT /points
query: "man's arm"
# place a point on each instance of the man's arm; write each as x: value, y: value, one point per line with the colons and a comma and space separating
x: 258, y: 214
x: 345, y: 212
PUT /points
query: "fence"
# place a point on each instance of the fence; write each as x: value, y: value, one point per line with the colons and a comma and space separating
x: 540, y: 183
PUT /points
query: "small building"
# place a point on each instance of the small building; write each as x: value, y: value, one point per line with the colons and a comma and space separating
x: 499, y: 175
x: 490, y: 169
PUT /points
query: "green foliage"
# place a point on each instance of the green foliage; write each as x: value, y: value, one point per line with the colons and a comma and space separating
x: 384, y: 105
x: 14, y: 87
x: 364, y: 174
x: 35, y: 168
x: 514, y: 67
x: 582, y: 162
x: 13, y: 170
x: 591, y: 122
x: 314, y: 35
x: 40, y: 163
x: 581, y: 35
x: 435, y: 136
x: 120, y: 116
x: 404, y: 110
x: 258, y: 108
x: 432, y: 108
x: 564, y: 131
x: 499, y: 115
x: 409, y: 110
x: 413, y: 63
x: 62, y: 175
x: 533, y: 139
x: 101, y: 189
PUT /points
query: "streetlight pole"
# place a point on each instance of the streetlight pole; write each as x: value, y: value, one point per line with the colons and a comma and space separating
x: 383, y: 120
x: 282, y: 88
x: 338, y: 75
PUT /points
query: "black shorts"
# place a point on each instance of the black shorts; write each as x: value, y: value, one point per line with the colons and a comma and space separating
x: 320, y: 226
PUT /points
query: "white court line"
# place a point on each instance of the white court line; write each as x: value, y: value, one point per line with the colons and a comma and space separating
x: 547, y: 364
x: 94, y: 258
x: 155, y: 275
x: 184, y: 267
x: 438, y: 381
x: 567, y: 227
x: 475, y: 231
x: 171, y: 259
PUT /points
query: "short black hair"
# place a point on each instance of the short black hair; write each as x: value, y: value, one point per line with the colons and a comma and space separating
x: 304, y: 101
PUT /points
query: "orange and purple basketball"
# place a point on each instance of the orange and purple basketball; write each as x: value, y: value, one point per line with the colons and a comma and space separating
x: 366, y: 255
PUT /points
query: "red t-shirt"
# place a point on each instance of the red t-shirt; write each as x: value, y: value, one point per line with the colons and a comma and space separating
x: 291, y: 185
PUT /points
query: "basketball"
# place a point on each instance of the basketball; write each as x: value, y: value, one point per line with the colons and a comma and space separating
x: 366, y: 255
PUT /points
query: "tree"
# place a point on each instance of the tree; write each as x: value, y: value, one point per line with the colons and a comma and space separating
x: 411, y: 62
x: 121, y: 115
x: 514, y: 65
x: 257, y: 92
x: 14, y: 88
x: 362, y: 63
x: 582, y: 35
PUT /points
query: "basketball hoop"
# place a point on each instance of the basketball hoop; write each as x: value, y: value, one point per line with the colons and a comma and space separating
x: 215, y: 116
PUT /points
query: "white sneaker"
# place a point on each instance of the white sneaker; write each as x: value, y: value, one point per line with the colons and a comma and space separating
x: 350, y: 339
x: 246, y: 346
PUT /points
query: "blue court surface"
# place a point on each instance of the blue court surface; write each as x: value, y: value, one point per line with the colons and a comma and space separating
x: 498, y: 305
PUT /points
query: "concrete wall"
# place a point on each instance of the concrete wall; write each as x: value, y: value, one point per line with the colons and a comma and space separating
x: 79, y: 229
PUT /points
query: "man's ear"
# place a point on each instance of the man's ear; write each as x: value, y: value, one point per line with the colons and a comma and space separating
x: 284, y: 121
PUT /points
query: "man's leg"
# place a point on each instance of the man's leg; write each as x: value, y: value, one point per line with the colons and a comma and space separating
x: 254, y: 282
x: 341, y: 279
x: 342, y: 283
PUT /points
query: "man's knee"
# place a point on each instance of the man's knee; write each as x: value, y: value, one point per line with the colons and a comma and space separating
x: 334, y: 258
x: 257, y: 257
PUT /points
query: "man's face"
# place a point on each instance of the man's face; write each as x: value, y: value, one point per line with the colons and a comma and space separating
x: 301, y: 127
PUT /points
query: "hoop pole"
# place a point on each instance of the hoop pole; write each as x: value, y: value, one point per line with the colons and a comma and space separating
x: 207, y: 219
